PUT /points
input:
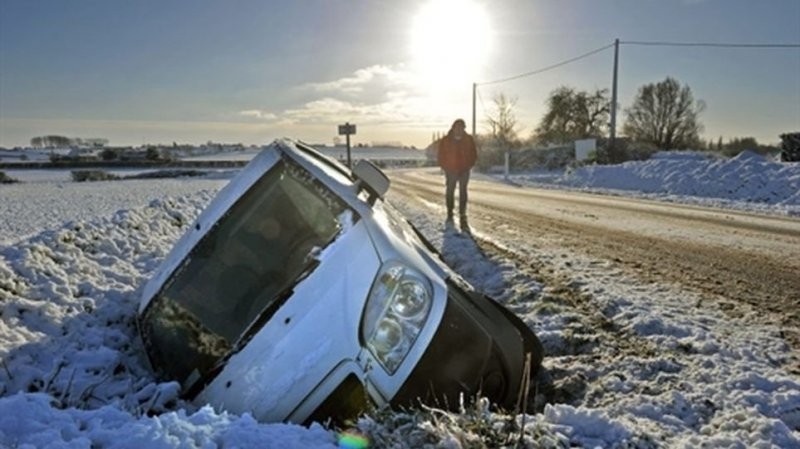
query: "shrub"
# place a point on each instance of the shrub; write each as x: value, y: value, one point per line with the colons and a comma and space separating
x: 92, y: 175
x: 489, y: 157
x: 739, y: 144
x: 624, y: 150
x: 5, y: 179
x: 167, y: 174
x: 152, y: 154
x: 109, y: 154
x: 549, y: 158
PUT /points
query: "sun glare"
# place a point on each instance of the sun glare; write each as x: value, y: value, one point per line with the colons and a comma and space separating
x: 450, y: 42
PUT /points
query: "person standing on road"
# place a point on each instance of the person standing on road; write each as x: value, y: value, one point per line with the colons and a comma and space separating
x: 457, y: 154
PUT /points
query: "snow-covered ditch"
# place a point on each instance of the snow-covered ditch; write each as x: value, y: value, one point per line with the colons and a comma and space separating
x: 628, y: 365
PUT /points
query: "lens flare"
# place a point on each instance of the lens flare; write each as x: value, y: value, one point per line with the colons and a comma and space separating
x: 348, y: 440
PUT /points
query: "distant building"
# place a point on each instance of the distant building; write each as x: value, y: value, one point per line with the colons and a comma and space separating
x: 388, y: 144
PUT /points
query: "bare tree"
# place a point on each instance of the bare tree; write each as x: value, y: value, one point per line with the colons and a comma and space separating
x: 503, y: 122
x: 666, y: 115
x: 573, y: 115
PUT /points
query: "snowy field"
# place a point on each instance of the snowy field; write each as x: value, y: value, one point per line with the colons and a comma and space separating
x: 47, y: 201
x: 636, y: 365
x: 339, y: 153
x: 30, y: 155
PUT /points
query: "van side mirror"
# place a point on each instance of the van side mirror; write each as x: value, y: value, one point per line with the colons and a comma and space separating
x: 372, y: 178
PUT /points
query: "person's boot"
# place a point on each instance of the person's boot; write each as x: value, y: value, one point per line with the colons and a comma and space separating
x: 449, y: 219
x: 464, y: 224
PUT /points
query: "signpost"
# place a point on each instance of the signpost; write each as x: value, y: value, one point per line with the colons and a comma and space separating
x: 346, y: 130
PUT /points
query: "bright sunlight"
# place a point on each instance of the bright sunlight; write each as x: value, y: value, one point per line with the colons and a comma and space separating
x: 450, y: 42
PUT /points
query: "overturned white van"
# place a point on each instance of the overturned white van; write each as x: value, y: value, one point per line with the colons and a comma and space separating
x: 300, y: 294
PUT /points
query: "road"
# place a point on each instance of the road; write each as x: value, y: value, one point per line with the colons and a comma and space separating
x: 743, y: 261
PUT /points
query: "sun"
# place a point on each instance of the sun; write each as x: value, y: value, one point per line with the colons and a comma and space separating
x: 450, y: 43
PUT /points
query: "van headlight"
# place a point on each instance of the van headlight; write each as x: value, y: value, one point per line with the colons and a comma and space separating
x: 398, y: 305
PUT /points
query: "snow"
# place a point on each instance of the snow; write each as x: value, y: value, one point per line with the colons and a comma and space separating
x: 28, y: 208
x: 748, y: 181
x: 672, y: 377
x: 65, y: 175
x: 32, y: 421
x: 31, y: 155
x: 635, y: 365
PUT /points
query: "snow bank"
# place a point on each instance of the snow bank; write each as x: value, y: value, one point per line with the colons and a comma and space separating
x: 678, y: 176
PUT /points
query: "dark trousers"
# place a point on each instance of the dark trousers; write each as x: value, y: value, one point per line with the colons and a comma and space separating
x: 450, y: 187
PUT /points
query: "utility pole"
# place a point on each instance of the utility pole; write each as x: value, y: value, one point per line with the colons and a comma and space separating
x: 474, y: 91
x: 613, y: 124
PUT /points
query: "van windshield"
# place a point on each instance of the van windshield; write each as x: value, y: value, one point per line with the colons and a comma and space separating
x: 265, y: 242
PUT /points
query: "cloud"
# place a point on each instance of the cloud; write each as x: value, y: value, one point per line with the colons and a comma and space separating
x: 333, y: 110
x: 258, y: 114
x: 362, y: 79
x: 375, y: 95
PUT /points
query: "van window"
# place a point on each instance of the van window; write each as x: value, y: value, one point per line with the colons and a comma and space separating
x: 261, y: 247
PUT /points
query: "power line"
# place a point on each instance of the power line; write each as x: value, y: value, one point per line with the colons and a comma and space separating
x: 617, y: 42
x: 544, y: 69
x: 707, y: 44
x: 642, y: 43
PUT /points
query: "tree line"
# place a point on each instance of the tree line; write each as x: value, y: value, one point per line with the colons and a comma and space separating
x: 664, y: 116
x: 56, y: 141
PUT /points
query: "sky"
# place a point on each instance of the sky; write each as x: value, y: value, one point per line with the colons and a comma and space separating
x: 251, y: 71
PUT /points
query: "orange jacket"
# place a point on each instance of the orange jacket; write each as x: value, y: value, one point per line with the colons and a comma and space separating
x: 457, y: 156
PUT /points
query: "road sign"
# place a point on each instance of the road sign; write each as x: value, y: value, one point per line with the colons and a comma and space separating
x: 347, y: 129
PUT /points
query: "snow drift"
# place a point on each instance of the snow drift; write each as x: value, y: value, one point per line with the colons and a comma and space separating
x: 748, y: 180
